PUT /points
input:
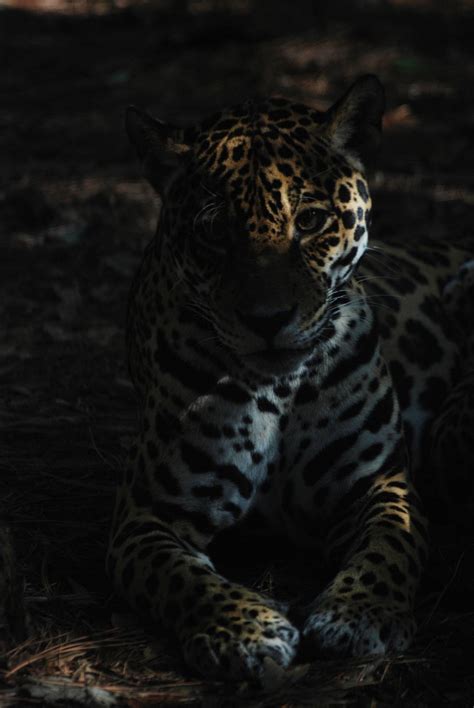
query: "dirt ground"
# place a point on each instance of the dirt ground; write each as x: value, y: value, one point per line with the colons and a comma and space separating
x: 75, y: 215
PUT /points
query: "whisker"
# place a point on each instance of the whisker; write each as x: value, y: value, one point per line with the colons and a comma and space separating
x: 382, y: 259
x: 365, y: 278
x: 214, y: 338
x: 209, y: 190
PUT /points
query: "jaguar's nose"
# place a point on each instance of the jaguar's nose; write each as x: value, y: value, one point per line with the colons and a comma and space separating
x: 267, y: 324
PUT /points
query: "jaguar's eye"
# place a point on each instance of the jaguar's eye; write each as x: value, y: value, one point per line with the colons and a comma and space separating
x: 214, y: 230
x: 311, y: 220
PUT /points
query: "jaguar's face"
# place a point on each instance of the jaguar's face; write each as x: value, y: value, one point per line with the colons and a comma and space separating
x: 265, y: 220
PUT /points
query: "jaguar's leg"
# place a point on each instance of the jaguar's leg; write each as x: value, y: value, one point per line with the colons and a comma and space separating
x: 158, y: 562
x: 368, y: 607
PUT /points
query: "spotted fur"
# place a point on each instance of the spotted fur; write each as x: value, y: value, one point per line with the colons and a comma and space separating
x: 282, y: 383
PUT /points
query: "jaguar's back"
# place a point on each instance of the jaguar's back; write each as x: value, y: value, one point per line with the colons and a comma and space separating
x: 424, y: 335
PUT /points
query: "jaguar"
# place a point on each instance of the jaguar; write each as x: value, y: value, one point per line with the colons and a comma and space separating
x: 292, y: 381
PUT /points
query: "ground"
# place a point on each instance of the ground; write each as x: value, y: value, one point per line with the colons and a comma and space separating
x: 75, y: 215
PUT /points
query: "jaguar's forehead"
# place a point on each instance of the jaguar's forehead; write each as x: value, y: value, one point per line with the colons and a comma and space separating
x: 270, y: 146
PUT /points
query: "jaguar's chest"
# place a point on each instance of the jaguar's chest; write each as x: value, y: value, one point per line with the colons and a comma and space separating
x: 304, y: 435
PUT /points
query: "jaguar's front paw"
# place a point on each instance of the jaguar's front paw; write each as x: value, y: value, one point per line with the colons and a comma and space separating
x: 237, y: 642
x: 356, y: 629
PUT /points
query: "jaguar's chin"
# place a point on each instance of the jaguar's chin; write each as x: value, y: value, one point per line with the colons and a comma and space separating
x: 277, y: 361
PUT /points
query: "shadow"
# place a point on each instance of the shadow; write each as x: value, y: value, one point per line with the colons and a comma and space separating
x: 75, y: 215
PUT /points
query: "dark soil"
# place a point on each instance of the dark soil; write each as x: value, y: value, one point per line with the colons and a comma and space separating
x: 75, y: 216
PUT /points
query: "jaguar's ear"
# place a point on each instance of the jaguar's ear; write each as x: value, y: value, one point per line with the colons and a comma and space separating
x: 354, y: 123
x: 160, y: 147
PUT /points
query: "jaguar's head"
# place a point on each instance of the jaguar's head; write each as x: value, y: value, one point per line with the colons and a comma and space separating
x: 265, y: 214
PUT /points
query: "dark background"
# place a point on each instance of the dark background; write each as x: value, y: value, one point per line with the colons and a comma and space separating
x: 74, y: 217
